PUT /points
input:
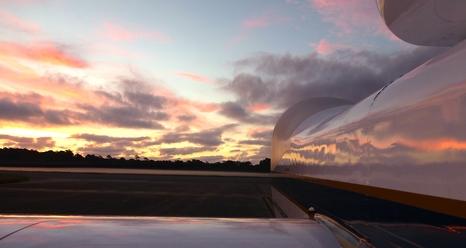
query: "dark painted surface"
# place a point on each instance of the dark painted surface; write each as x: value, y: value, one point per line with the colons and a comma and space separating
x: 385, y: 223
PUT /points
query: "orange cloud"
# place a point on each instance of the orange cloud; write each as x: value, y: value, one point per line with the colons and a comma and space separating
x: 13, y: 22
x: 118, y: 33
x: 194, y: 77
x: 65, y: 89
x: 44, y: 53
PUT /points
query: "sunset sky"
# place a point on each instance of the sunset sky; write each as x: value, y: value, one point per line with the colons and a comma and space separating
x: 182, y: 79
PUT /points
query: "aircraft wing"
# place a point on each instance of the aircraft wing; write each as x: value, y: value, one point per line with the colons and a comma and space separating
x: 78, y: 231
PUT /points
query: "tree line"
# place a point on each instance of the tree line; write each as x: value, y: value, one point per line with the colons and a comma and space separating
x: 33, y: 158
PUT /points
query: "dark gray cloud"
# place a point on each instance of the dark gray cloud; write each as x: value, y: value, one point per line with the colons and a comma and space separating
x: 186, y: 118
x: 139, y: 93
x: 133, y: 107
x: 145, y: 100
x: 182, y: 128
x: 236, y: 111
x: 123, y: 116
x: 10, y: 110
x: 184, y: 150
x: 60, y: 117
x: 282, y: 80
x: 110, y: 145
x: 210, y: 137
x: 255, y: 142
x: 263, y: 135
x: 120, y: 115
x: 107, y: 139
x: 27, y: 108
x: 104, y: 150
x: 27, y: 142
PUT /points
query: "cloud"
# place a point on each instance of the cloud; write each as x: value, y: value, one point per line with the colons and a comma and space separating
x: 260, y: 137
x: 39, y: 143
x: 184, y: 150
x: 259, y: 154
x: 255, y: 142
x: 10, y: 110
x: 60, y: 117
x: 186, y: 118
x: 65, y: 88
x: 129, y: 108
x: 104, y: 150
x: 235, y: 111
x: 262, y: 21
x: 145, y: 100
x: 132, y: 102
x: 282, y: 80
x: 107, y: 139
x: 324, y: 47
x: 134, y: 106
x: 117, y: 32
x: 46, y: 52
x: 20, y: 107
x: 209, y: 137
x: 14, y: 107
x: 254, y: 23
x: 13, y: 22
x: 262, y: 134
x: 123, y: 116
x: 194, y: 77
x: 111, y: 145
x: 258, y: 107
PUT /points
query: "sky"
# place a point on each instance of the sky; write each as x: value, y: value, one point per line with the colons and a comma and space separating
x: 183, y: 79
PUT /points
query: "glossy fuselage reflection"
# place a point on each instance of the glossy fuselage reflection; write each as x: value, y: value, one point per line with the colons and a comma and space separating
x: 410, y: 136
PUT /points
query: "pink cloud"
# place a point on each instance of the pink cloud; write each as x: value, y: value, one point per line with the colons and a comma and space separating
x: 13, y: 22
x: 194, y: 77
x: 119, y: 33
x: 259, y: 107
x: 262, y: 21
x: 351, y: 15
x: 324, y: 47
x: 256, y: 22
x: 44, y: 52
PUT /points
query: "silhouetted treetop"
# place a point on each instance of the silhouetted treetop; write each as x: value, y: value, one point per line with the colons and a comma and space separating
x: 33, y: 158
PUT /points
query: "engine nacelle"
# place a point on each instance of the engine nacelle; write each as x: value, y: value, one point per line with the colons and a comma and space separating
x: 426, y: 22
